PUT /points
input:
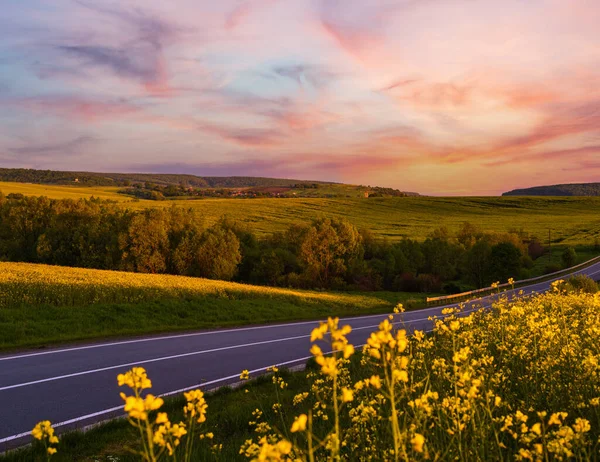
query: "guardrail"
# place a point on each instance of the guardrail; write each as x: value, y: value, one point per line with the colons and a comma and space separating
x: 545, y: 277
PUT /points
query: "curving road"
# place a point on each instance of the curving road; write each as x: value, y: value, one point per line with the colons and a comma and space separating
x: 76, y: 386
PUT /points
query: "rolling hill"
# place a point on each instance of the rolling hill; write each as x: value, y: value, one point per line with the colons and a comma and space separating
x: 573, y: 189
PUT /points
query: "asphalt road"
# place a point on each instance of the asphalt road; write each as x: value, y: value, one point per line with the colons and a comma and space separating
x: 76, y: 386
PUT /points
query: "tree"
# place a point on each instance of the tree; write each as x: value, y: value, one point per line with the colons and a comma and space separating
x: 468, y: 235
x: 505, y: 261
x: 327, y: 248
x: 145, y: 245
x: 441, y: 258
x: 478, y: 262
x: 214, y: 254
x: 569, y: 257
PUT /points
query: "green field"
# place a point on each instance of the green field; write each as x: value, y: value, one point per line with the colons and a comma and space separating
x: 571, y: 220
x: 41, y: 304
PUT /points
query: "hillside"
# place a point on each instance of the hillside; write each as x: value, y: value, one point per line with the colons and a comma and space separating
x: 574, y: 189
x: 161, y: 186
x: 43, y: 304
x: 573, y: 220
x: 23, y: 175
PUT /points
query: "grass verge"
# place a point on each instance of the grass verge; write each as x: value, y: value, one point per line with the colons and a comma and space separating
x: 41, y: 304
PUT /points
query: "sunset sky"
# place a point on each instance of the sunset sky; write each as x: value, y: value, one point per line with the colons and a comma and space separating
x: 435, y: 96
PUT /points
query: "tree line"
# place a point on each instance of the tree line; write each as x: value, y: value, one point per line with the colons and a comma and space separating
x: 326, y: 253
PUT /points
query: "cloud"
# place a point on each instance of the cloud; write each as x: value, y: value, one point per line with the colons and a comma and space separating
x: 140, y: 57
x: 430, y: 94
x: 254, y: 137
x: 301, y: 73
x: 64, y: 148
x: 75, y: 108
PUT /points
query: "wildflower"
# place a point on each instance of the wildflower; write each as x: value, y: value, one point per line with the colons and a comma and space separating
x: 245, y: 375
x: 374, y: 381
x: 43, y: 431
x: 555, y: 419
x: 581, y: 425
x: 299, y: 424
x: 417, y: 442
x: 196, y: 405
x: 136, y: 379
x: 347, y: 395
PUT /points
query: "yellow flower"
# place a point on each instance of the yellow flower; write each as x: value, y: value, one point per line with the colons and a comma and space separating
x: 136, y: 379
x: 555, y: 419
x: 299, y: 424
x: 581, y: 425
x: 162, y: 418
x: 375, y: 381
x: 399, y: 376
x: 51, y: 451
x: 152, y: 403
x: 417, y: 442
x: 348, y: 351
x: 399, y: 308
x: 318, y: 332
x: 347, y: 395
x: 245, y: 375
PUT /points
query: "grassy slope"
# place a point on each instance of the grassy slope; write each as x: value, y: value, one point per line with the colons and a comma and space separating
x: 573, y: 220
x: 42, y: 304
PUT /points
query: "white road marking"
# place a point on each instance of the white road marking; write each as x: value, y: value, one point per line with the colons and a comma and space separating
x: 169, y: 393
x: 165, y: 358
x: 241, y: 329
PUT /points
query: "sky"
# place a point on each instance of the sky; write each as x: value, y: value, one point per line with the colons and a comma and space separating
x: 441, y: 97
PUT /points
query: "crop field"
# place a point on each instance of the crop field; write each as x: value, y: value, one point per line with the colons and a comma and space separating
x: 41, y: 304
x: 518, y: 383
x: 63, y: 192
x: 570, y: 220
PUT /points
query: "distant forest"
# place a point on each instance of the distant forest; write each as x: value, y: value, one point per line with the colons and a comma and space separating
x: 25, y: 175
x: 581, y: 189
x: 323, y: 254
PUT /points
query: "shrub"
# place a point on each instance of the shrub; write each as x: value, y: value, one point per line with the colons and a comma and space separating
x: 580, y: 283
x: 569, y: 257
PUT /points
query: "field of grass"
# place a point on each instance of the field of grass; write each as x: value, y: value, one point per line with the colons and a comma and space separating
x: 42, y: 304
x: 63, y: 192
x: 518, y: 383
x: 572, y: 220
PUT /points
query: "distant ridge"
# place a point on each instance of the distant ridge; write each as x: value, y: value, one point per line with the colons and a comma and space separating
x: 58, y: 177
x: 573, y: 189
x: 163, y: 180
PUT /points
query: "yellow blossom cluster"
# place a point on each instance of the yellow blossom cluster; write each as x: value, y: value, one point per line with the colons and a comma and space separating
x: 44, y: 432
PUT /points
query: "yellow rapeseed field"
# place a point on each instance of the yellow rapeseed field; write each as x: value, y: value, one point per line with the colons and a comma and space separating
x: 33, y: 284
x: 519, y: 382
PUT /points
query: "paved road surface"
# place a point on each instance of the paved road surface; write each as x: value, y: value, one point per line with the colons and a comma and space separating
x: 76, y: 386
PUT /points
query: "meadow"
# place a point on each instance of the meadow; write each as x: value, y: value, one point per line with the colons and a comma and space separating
x: 520, y: 382
x: 571, y: 221
x: 42, y: 304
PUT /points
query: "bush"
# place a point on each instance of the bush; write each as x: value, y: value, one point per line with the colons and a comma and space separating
x: 580, y: 283
x: 569, y: 257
